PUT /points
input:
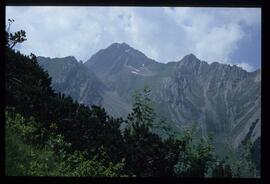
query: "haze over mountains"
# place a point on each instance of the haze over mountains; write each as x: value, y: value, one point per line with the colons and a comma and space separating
x: 217, y: 98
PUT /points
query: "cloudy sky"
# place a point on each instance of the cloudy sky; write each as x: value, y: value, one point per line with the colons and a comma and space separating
x: 225, y: 35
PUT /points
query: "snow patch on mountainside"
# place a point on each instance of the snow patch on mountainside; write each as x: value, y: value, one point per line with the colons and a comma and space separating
x: 133, y: 68
x: 135, y: 72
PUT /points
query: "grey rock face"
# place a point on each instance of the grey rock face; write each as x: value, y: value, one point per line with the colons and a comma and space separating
x: 222, y: 99
x: 72, y: 78
x: 218, y: 98
x: 115, y: 58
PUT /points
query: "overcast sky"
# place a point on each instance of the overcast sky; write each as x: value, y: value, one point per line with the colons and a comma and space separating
x: 224, y: 35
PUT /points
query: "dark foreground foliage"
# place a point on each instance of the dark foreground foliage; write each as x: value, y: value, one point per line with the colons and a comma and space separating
x: 48, y: 134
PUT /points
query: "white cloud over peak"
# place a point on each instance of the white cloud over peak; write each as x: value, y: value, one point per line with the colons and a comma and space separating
x: 214, y: 33
x: 219, y: 43
x: 245, y: 66
x: 164, y: 34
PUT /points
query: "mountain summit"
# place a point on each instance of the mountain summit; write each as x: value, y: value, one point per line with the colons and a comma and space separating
x: 190, y: 57
x: 122, y: 45
x: 116, y: 58
x: 221, y: 99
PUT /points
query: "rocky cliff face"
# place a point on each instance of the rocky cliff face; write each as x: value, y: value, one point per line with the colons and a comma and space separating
x: 74, y: 79
x: 218, y: 98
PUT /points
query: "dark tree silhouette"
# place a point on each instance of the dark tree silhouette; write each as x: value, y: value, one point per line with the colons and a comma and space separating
x: 17, y: 37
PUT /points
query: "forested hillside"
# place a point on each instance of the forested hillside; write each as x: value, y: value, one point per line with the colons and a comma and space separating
x: 50, y: 134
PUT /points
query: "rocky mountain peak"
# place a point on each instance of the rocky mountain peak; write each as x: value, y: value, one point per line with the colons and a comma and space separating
x: 190, y: 63
x: 190, y: 57
x: 117, y: 56
x: 220, y: 98
x: 124, y: 49
x: 119, y: 45
x: 64, y: 63
x: 70, y: 58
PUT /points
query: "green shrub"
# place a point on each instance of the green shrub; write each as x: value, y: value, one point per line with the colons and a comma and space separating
x: 24, y: 158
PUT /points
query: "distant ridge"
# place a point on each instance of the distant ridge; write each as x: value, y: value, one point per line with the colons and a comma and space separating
x: 218, y: 98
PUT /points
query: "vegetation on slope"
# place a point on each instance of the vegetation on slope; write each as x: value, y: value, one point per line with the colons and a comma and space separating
x: 48, y: 134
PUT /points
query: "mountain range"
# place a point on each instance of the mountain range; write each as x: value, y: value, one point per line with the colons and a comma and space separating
x: 217, y: 98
